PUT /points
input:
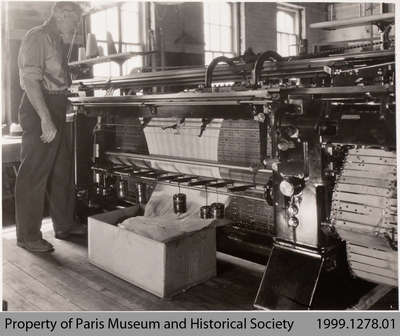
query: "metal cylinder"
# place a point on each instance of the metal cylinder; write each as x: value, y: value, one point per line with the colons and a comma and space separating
x: 179, y: 203
x: 122, y: 189
x: 218, y: 210
x: 97, y: 178
x: 96, y: 151
x: 141, y: 192
x: 99, y: 190
x: 205, y: 212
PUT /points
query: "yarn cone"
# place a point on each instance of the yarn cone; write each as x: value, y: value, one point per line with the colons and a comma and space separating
x: 111, y: 50
x: 91, y: 46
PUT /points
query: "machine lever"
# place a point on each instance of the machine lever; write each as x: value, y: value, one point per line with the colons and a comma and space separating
x: 219, y: 184
x: 142, y: 173
x: 168, y: 177
x: 183, y: 179
x: 268, y: 193
x: 241, y: 188
x: 204, y: 123
x: 200, y: 182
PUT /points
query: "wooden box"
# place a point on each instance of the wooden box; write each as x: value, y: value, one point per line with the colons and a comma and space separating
x: 163, y: 269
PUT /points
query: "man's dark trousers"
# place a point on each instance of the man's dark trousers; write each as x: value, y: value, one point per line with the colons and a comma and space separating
x: 46, y: 171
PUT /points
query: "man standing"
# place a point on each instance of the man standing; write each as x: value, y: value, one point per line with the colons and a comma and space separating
x: 46, y: 159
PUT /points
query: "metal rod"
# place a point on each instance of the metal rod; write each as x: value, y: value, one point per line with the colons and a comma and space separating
x: 188, y: 162
x: 183, y: 126
x: 200, y: 188
x: 367, y: 67
x: 195, y: 76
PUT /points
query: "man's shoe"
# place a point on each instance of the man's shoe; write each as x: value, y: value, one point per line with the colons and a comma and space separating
x: 77, y: 230
x: 36, y: 246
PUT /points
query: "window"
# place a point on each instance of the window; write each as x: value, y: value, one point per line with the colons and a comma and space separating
x: 124, y: 22
x: 219, y: 34
x: 288, y: 30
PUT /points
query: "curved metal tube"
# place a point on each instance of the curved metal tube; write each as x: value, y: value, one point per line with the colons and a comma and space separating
x: 212, y: 65
x: 258, y: 65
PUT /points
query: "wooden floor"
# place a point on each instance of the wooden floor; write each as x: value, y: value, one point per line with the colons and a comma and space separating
x: 64, y: 280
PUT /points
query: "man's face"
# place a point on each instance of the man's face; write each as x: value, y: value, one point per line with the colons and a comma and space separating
x: 69, y: 19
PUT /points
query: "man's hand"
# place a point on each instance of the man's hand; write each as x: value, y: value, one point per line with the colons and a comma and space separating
x: 48, y: 130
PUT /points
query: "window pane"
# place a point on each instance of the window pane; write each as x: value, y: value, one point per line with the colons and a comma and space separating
x: 214, y: 37
x: 107, y: 20
x: 285, y: 22
x: 206, y: 12
x: 103, y: 21
x: 130, y: 26
x: 208, y: 57
x: 103, y: 46
x: 286, y: 32
x: 207, y: 37
x: 102, y: 70
x: 98, y: 25
x: 114, y: 69
x: 226, y: 39
x: 292, y: 45
x: 131, y: 64
x: 226, y: 15
x: 112, y: 22
x: 134, y: 62
x: 283, y: 44
x: 131, y: 47
x: 131, y: 6
x: 218, y: 30
x: 213, y: 13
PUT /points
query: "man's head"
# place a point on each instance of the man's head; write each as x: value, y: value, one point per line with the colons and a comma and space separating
x: 67, y: 15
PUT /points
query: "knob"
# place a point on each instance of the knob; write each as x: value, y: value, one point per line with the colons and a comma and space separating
x: 293, y: 222
x: 286, y: 188
x: 291, y: 186
x: 292, y: 210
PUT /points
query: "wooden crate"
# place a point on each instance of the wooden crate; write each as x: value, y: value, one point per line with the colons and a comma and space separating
x: 163, y: 269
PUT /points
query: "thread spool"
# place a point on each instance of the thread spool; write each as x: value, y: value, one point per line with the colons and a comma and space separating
x: 97, y: 178
x: 205, y: 212
x: 91, y: 46
x: 122, y: 189
x: 111, y: 50
x: 179, y: 203
x: 81, y: 54
x: 99, y: 190
x: 100, y: 51
x: 218, y: 210
x: 141, y: 191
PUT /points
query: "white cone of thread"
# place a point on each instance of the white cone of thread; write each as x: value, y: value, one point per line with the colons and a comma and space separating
x: 81, y: 54
x: 91, y: 46
x: 111, y: 50
x: 100, y: 51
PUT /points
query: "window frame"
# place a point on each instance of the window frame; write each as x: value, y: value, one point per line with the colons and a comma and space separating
x: 234, y: 33
x: 142, y: 8
x: 299, y: 24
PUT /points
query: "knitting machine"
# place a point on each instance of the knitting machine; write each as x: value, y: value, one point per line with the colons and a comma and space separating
x: 304, y: 147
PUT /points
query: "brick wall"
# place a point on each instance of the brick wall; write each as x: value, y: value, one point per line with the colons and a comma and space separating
x: 181, y: 28
x: 260, y: 24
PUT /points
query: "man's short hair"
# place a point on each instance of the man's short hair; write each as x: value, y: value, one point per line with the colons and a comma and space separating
x: 61, y: 5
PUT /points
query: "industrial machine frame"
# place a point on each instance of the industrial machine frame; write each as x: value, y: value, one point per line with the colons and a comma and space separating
x: 323, y: 181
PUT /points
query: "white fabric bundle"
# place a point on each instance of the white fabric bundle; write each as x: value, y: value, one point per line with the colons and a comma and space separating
x: 160, y: 223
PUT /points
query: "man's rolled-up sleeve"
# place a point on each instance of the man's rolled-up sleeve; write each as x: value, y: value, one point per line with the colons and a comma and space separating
x: 31, y: 57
